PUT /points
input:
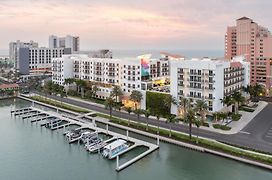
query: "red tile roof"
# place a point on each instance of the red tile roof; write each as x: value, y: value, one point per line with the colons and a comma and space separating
x: 6, y: 86
x: 235, y: 64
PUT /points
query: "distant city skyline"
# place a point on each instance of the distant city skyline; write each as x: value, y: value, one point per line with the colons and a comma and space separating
x: 127, y: 24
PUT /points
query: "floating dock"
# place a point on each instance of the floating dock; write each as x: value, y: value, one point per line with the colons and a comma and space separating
x: 76, y: 120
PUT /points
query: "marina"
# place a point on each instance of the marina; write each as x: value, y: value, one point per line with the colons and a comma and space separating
x: 30, y: 148
x: 87, y: 133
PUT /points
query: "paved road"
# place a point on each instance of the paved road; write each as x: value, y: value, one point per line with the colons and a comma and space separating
x: 257, y: 134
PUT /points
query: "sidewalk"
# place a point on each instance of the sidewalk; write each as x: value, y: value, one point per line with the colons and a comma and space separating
x: 237, y: 126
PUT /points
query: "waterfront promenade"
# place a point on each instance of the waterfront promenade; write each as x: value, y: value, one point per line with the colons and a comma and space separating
x: 252, y: 140
x: 105, y: 121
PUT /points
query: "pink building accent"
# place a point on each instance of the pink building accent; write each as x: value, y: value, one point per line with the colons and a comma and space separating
x: 255, y: 43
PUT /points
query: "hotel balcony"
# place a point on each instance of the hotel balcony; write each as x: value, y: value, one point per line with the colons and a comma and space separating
x: 194, y: 96
x: 180, y: 94
x: 180, y: 84
x: 194, y: 87
x: 181, y: 72
x: 111, y: 74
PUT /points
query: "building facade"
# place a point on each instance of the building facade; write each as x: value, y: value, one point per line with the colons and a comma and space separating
x: 38, y: 60
x: 64, y: 42
x: 208, y: 80
x: 129, y: 73
x: 14, y: 50
x: 255, y: 43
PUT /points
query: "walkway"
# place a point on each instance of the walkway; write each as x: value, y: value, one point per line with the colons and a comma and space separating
x: 238, y: 139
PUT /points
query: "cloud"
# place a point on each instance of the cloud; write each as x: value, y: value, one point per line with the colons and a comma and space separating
x: 128, y: 23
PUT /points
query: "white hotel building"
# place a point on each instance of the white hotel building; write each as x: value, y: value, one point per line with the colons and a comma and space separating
x: 126, y: 73
x: 208, y: 80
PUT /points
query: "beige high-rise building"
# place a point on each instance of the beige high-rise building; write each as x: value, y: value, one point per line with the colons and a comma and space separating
x: 255, y: 43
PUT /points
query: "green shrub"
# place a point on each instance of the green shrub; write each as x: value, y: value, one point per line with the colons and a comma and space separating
x: 155, y: 102
x: 72, y: 93
x: 205, y: 124
x: 236, y: 117
x: 244, y: 108
x: 222, y: 127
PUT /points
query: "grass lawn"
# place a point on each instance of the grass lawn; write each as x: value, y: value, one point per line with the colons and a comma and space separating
x: 59, y: 104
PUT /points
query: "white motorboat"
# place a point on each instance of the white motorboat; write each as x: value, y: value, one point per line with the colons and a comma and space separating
x: 115, y: 148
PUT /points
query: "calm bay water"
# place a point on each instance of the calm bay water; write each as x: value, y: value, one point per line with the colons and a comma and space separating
x: 29, y: 152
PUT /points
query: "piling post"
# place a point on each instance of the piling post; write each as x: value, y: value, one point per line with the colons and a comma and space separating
x: 127, y: 134
x: 117, y: 162
x: 107, y: 128
x: 158, y: 140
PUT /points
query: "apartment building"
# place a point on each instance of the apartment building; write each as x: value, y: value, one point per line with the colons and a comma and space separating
x: 207, y: 79
x: 129, y: 73
x: 64, y: 42
x: 255, y: 43
x: 14, y: 50
x: 104, y: 72
x: 37, y: 60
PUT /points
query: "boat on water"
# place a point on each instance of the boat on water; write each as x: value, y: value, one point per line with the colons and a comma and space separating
x: 73, y: 134
x: 87, y: 136
x: 95, y: 144
x: 115, y: 148
x: 96, y: 147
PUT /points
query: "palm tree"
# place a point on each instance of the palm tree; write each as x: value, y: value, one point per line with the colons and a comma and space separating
x: 186, y: 104
x: 227, y: 100
x: 116, y: 92
x: 168, y: 101
x: 62, y: 94
x: 69, y: 81
x: 238, y: 99
x: 202, y: 107
x: 198, y: 124
x: 171, y: 119
x: 147, y: 113
x: 223, y: 116
x: 138, y: 112
x: 128, y: 110
x: 109, y: 103
x: 89, y: 94
x: 81, y: 85
x: 255, y: 91
x: 136, y: 97
x: 158, y: 116
x: 190, y: 118
x: 216, y: 116
x: 118, y: 107
x: 94, y: 90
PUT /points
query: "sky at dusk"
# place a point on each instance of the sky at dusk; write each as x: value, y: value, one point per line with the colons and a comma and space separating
x: 129, y: 24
